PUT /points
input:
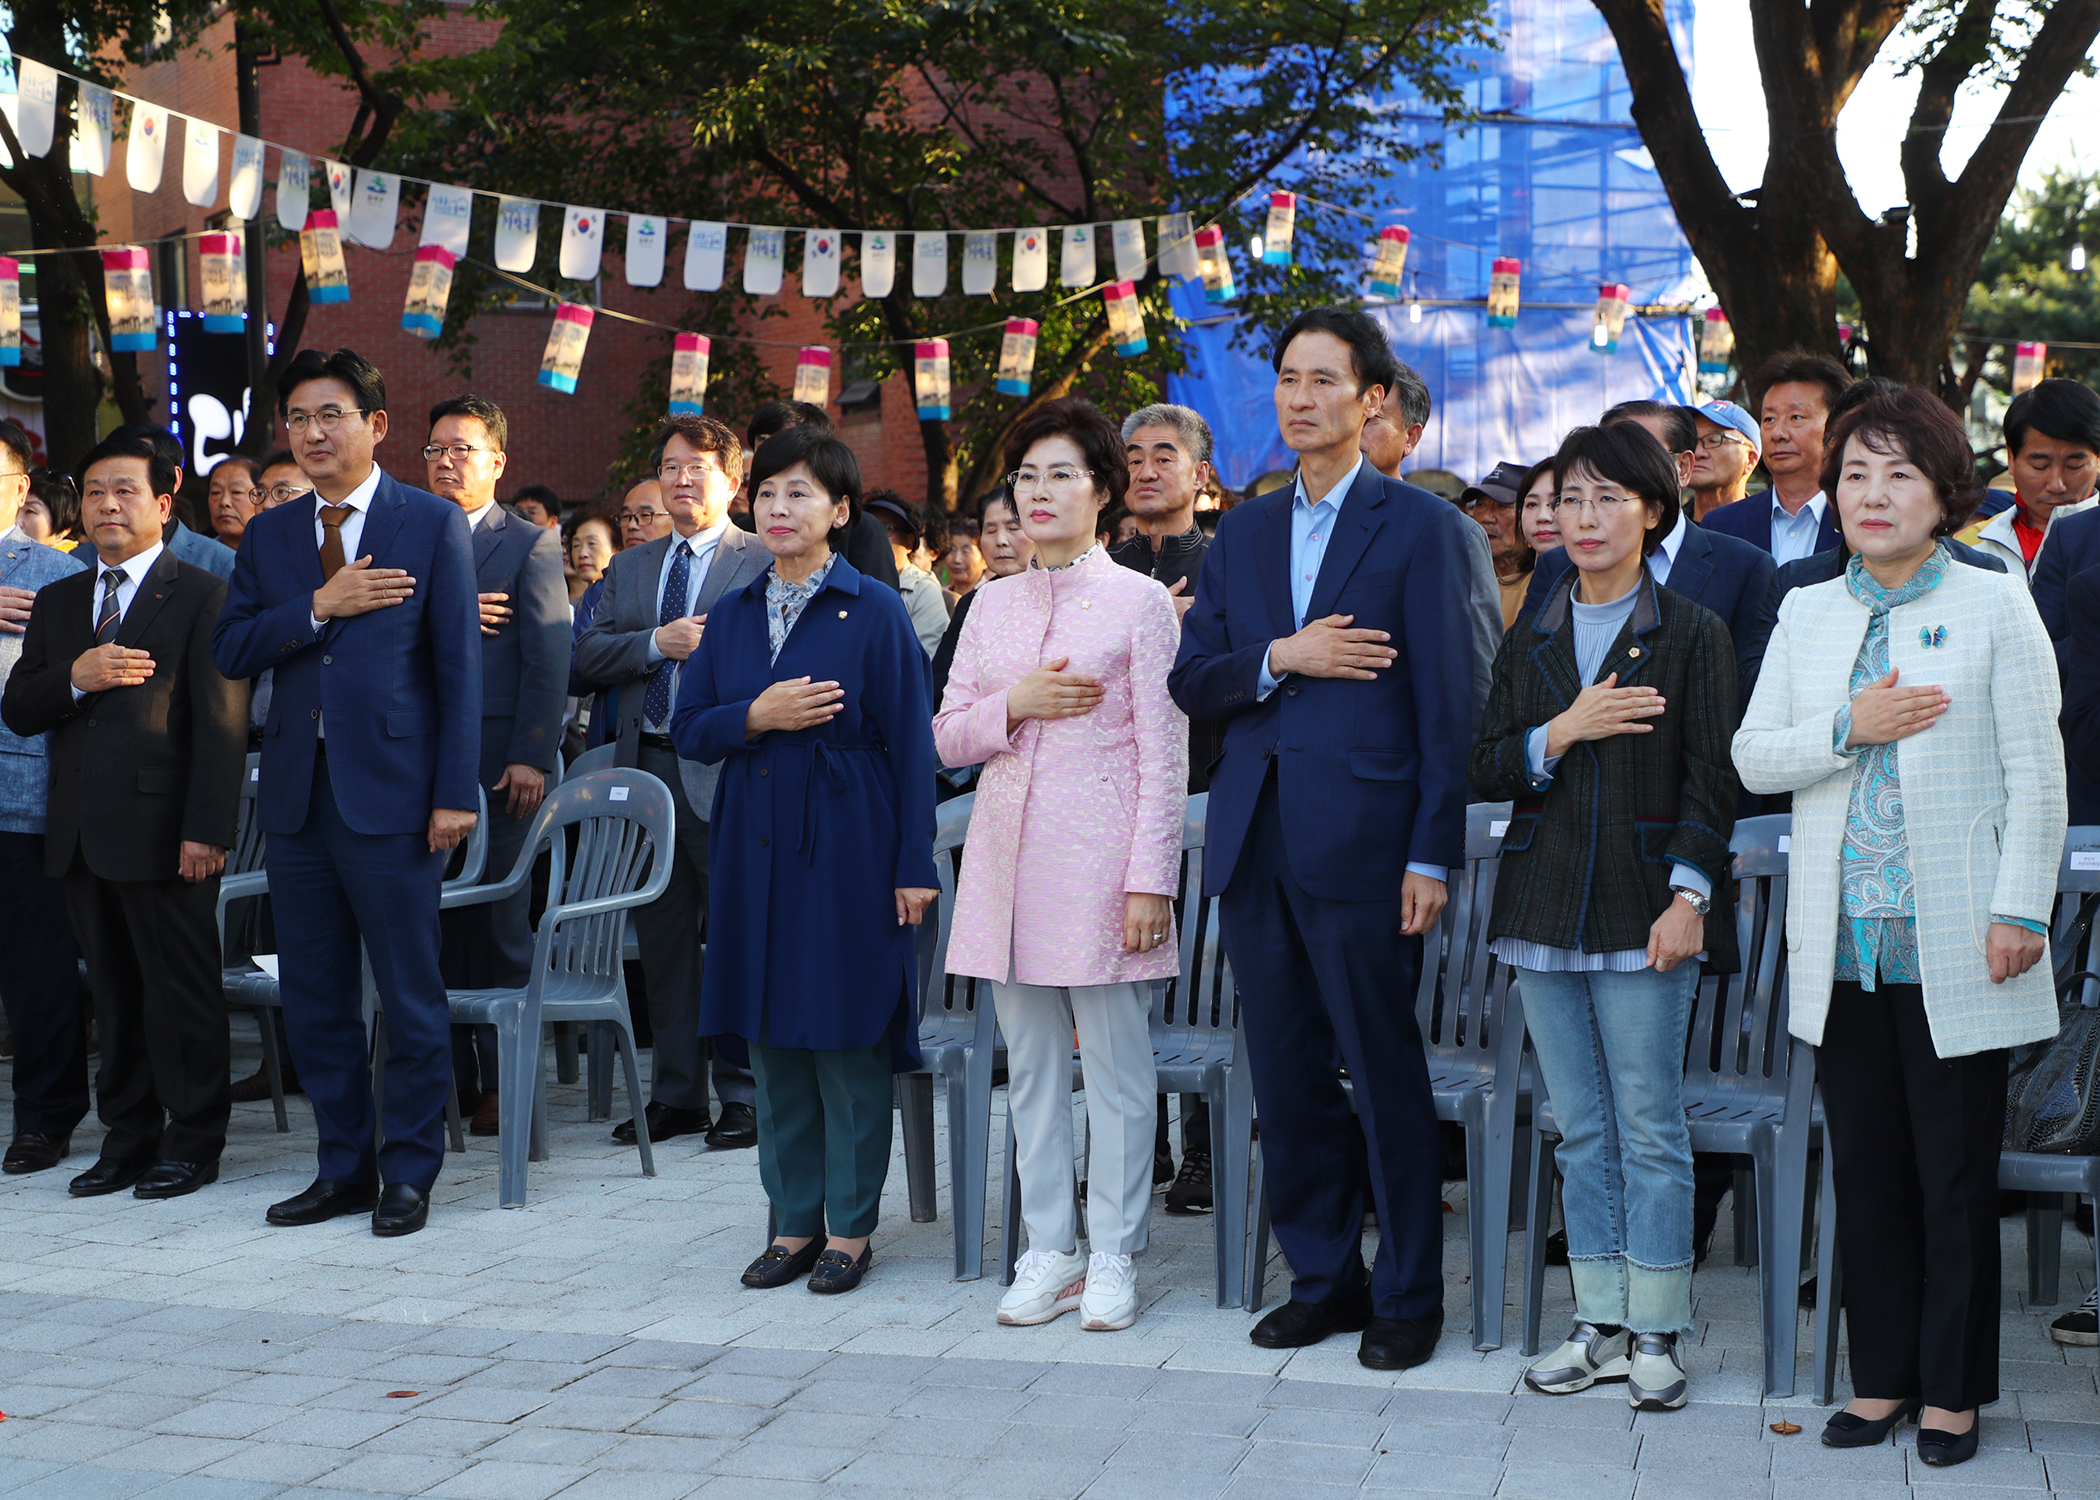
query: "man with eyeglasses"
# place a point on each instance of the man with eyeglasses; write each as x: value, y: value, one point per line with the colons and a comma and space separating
x: 281, y: 481
x: 524, y: 682
x: 648, y: 622
x: 361, y: 598
x: 39, y: 961
x: 643, y: 515
x: 1727, y: 452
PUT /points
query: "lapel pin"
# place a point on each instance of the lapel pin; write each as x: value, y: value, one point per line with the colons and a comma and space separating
x: 1633, y: 651
x: 842, y: 614
x: 1930, y: 636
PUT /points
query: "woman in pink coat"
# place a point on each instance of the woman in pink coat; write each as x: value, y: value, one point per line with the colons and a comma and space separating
x: 1060, y: 689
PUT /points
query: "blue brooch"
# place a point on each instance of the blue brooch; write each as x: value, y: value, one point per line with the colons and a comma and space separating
x: 1930, y: 636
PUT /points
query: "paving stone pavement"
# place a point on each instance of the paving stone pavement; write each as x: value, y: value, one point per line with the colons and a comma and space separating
x: 595, y: 1343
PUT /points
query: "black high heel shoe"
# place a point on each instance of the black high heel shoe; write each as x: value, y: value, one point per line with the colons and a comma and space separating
x: 1943, y: 1450
x: 780, y: 1265
x: 1844, y: 1430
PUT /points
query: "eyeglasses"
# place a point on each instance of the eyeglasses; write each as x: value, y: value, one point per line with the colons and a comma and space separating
x: 1604, y: 507
x: 460, y: 452
x: 1056, y: 479
x: 640, y: 517
x: 692, y: 473
x: 1714, y: 442
x: 280, y: 493
x: 328, y: 418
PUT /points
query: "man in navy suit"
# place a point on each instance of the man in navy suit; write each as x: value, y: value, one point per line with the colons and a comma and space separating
x: 1794, y: 519
x: 1330, y: 628
x: 360, y: 599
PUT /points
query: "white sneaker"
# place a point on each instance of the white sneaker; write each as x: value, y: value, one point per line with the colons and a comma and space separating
x: 1655, y: 1379
x: 1589, y: 1356
x: 1109, y: 1300
x: 1047, y: 1284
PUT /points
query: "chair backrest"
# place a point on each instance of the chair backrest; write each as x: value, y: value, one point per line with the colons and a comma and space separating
x: 601, y: 758
x: 2072, y: 941
x: 609, y: 835
x: 246, y: 855
x: 947, y: 1002
x: 1738, y: 1037
x: 1197, y: 1010
x: 1462, y: 985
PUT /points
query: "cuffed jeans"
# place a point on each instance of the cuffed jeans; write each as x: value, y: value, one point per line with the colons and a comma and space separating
x: 1611, y: 1048
x: 1115, y: 1051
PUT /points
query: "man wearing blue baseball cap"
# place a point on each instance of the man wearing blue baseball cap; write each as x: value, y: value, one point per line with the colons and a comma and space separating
x: 1727, y: 452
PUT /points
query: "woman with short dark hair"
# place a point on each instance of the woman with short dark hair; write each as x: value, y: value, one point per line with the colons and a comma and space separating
x: 1910, y: 707
x: 1608, y: 726
x: 1059, y: 688
x: 810, y: 689
x: 51, y: 511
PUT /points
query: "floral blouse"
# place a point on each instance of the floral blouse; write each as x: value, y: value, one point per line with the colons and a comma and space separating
x: 785, y: 602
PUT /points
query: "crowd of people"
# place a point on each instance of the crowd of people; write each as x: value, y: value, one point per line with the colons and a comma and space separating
x: 1621, y: 639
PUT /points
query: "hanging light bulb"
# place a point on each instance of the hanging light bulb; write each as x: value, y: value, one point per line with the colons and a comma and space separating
x: 1254, y: 248
x: 2078, y: 257
x: 1414, y: 306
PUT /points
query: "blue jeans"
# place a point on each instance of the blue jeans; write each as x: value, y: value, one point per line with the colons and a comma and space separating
x: 1611, y: 1048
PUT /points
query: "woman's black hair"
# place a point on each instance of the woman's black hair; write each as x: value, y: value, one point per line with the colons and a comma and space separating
x: 1098, y: 441
x: 831, y: 464
x: 1918, y: 425
x: 1628, y: 455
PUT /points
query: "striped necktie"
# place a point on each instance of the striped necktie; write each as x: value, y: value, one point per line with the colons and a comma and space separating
x: 111, y: 617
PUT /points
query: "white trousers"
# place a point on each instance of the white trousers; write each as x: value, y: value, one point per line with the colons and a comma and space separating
x: 1115, y: 1050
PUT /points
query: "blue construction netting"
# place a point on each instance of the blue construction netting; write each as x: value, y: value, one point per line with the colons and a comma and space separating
x: 1557, y: 178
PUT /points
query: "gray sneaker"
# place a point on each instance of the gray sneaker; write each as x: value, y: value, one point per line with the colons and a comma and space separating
x: 1589, y: 1355
x: 1656, y: 1381
x: 2080, y: 1328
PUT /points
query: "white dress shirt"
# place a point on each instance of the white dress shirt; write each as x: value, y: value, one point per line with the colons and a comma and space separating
x: 353, y: 528
x: 1794, y: 536
x: 1664, y: 557
x: 701, y: 544
x: 474, y: 517
x: 133, y: 571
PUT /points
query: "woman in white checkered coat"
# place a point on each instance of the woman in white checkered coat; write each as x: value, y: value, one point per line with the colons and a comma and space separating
x: 1910, y: 706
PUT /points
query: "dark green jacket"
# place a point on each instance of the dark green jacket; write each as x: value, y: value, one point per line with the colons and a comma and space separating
x: 1586, y: 862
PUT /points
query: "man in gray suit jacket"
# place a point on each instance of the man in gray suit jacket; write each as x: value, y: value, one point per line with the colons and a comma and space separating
x: 650, y: 618
x: 524, y: 684
x: 39, y: 964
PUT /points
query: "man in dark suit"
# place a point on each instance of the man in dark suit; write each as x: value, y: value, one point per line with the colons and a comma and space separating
x: 1794, y: 518
x: 39, y: 962
x: 1330, y: 627
x: 360, y: 599
x: 524, y: 680
x: 649, y: 620
x: 148, y: 742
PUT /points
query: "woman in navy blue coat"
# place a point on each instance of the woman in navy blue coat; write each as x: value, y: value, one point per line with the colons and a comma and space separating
x: 810, y: 688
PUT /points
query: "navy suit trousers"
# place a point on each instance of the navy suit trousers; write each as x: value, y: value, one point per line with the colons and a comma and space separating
x: 1323, y: 983
x: 331, y: 886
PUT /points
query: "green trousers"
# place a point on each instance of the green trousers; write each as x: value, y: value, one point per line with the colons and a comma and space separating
x: 824, y: 1136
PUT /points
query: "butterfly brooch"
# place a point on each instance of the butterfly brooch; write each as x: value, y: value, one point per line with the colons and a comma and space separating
x: 1932, y: 635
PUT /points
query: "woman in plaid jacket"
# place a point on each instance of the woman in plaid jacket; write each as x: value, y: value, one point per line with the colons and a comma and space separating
x: 1608, y: 726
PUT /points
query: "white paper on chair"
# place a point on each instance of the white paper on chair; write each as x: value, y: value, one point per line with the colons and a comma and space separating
x: 618, y: 794
x: 2085, y: 859
x: 1786, y: 843
x: 267, y: 962
x: 1497, y: 828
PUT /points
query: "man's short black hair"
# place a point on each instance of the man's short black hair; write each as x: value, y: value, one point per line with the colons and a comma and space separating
x: 1628, y: 455
x: 279, y: 459
x: 164, y: 442
x: 776, y: 417
x: 1368, y: 350
x: 346, y: 365
x: 482, y: 410
x: 544, y: 495
x: 16, y: 442
x: 254, y: 466
x: 1799, y: 367
x: 706, y: 435
x: 2066, y: 410
x: 124, y: 444
x: 1411, y: 392
x: 831, y: 464
x: 1676, y: 420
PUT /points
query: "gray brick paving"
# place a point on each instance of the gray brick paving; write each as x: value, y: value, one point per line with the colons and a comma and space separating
x: 595, y: 1346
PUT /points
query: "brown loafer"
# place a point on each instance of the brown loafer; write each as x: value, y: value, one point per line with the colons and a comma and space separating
x: 486, y: 1115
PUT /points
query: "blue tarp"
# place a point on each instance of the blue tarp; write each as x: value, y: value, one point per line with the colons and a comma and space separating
x: 1559, y: 180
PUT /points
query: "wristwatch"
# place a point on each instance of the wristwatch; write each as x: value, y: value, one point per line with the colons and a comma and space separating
x: 1699, y: 904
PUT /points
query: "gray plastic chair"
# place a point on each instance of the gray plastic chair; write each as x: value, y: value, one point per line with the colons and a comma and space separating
x: 1472, y: 1025
x: 624, y: 825
x: 1748, y: 1089
x: 247, y: 986
x: 958, y: 1039
x: 2048, y: 1179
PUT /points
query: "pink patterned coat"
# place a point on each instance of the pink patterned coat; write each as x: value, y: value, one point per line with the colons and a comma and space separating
x: 1071, y: 814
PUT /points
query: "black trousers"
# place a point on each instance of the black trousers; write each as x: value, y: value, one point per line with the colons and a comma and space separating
x: 1914, y: 1142
x: 40, y: 988
x: 153, y: 959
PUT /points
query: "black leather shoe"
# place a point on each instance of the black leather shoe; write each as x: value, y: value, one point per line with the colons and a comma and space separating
x: 1943, y: 1450
x: 736, y: 1129
x: 402, y: 1210
x: 1399, y: 1343
x: 1298, y: 1325
x: 666, y: 1122
x: 780, y: 1265
x: 31, y: 1152
x: 1844, y: 1430
x: 838, y: 1272
x: 323, y: 1201
x: 107, y: 1176
x: 173, y: 1179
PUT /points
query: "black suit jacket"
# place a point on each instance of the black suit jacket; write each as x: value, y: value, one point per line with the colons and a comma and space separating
x: 524, y: 665
x: 2081, y: 672
x: 135, y: 771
